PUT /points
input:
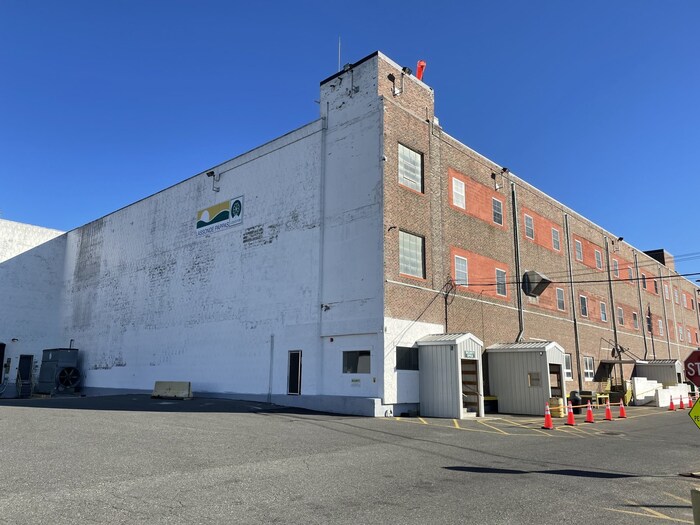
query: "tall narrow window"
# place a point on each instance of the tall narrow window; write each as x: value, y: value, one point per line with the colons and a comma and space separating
x: 584, y: 305
x: 579, y: 250
x: 411, y: 254
x: 687, y: 332
x: 560, y: 299
x: 529, y: 227
x: 616, y: 268
x: 675, y: 295
x: 644, y: 281
x: 629, y: 274
x: 501, y: 282
x: 497, y: 211
x: 666, y: 292
x: 680, y: 333
x: 635, y: 320
x: 598, y: 260
x: 685, y: 301
x: 661, y: 327
x: 568, y: 372
x: 588, y: 368
x: 461, y: 275
x: 620, y: 315
x: 656, y: 286
x: 555, y: 239
x: 604, y: 312
x: 410, y: 168
x: 458, y: 196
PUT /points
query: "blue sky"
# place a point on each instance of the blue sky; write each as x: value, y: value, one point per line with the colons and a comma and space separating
x: 103, y: 103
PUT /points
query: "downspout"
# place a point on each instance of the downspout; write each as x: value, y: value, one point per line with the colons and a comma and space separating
x: 641, y: 306
x: 663, y: 303
x: 321, y: 244
x: 577, y: 345
x: 516, y: 243
x: 613, y: 312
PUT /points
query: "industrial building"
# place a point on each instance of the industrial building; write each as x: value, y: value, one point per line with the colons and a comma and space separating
x: 305, y: 272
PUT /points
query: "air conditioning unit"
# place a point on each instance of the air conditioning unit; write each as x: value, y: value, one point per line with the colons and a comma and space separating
x: 59, y: 371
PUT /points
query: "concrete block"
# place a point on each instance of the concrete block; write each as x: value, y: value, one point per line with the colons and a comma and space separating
x: 172, y: 390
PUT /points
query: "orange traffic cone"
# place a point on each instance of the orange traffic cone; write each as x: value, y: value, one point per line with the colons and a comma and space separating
x: 623, y: 413
x: 681, y: 406
x: 589, y: 414
x: 608, y: 412
x: 548, y: 425
x: 671, y: 406
x: 570, y: 416
x: 690, y: 401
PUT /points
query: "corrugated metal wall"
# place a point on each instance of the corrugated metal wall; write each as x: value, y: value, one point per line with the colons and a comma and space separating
x: 665, y: 374
x: 440, y: 391
x: 508, y: 377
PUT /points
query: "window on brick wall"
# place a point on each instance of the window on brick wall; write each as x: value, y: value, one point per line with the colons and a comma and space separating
x: 410, y: 168
x: 560, y: 299
x: 568, y: 371
x: 458, y: 194
x: 661, y: 327
x: 497, y: 211
x: 411, y: 254
x: 650, y: 324
x: 598, y: 260
x: 588, y: 368
x: 578, y: 248
x: 556, y: 244
x: 644, y: 281
x: 529, y: 227
x: 635, y: 320
x: 687, y: 333
x: 583, y: 301
x: 603, y: 312
x: 461, y: 273
x: 616, y: 268
x: 501, y: 282
x: 620, y: 316
x: 629, y: 274
x: 666, y: 292
x: 680, y: 333
x: 685, y: 301
x: 656, y: 286
x: 675, y: 295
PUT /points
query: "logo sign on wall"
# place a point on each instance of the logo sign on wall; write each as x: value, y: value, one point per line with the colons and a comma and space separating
x: 220, y: 216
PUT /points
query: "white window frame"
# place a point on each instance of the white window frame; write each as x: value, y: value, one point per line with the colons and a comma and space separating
x: 583, y: 305
x: 560, y: 300
x: 465, y: 281
x: 598, y: 259
x: 689, y: 337
x: 407, y: 255
x: 407, y: 168
x: 578, y: 249
x: 630, y: 275
x: 556, y: 240
x: 675, y: 296
x: 568, y: 371
x: 496, y: 212
x: 501, y: 282
x: 616, y: 268
x: 459, y: 198
x: 529, y: 228
x: 661, y: 327
x: 667, y: 296
x: 588, y: 368
x: 685, y: 300
x: 620, y: 316
x: 603, y: 312
x: 680, y: 333
x: 635, y: 320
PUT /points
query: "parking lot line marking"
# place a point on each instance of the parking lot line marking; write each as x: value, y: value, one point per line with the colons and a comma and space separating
x: 662, y: 517
x: 528, y: 428
x: 567, y: 431
x: 679, y: 498
x: 456, y: 423
x: 422, y: 420
x: 495, y: 428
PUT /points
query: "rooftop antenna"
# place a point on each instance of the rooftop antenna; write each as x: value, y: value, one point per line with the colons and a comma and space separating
x: 338, y: 52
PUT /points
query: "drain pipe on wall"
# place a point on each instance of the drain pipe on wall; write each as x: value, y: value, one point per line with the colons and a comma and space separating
x: 577, y: 344
x: 516, y: 244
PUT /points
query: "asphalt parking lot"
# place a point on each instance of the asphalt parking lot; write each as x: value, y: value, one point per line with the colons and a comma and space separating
x: 131, y: 459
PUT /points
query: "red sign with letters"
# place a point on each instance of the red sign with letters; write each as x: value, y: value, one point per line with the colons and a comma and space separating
x: 692, y: 368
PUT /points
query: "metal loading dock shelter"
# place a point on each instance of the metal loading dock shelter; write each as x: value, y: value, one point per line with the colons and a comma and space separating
x: 524, y: 376
x: 451, y: 377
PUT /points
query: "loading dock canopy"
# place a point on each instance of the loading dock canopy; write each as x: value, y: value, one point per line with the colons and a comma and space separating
x: 450, y: 377
x: 524, y: 376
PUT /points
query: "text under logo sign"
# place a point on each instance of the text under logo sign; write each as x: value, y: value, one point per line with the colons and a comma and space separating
x: 220, y: 216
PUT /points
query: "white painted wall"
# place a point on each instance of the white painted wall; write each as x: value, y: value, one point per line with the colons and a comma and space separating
x: 16, y: 238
